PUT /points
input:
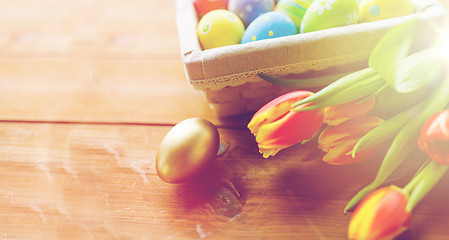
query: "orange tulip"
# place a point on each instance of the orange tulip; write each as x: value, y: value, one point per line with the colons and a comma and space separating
x: 381, y: 215
x: 434, y: 138
x: 277, y: 126
x: 337, y: 141
x: 337, y: 114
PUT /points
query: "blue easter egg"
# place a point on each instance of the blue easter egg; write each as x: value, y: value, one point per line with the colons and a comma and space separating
x: 295, y: 9
x: 248, y: 10
x: 269, y: 25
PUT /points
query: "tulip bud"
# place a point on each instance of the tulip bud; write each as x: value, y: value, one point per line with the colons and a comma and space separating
x: 277, y: 125
x: 434, y: 137
x: 337, y: 141
x: 337, y: 114
x: 381, y: 215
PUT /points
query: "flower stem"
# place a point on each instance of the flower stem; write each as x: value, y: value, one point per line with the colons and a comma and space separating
x: 422, y: 183
x: 405, y: 141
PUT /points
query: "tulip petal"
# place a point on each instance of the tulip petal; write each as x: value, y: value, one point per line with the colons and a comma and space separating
x: 292, y: 128
x: 267, y: 151
x: 434, y: 137
x: 276, y: 126
x: 275, y: 109
x: 338, y: 140
x: 337, y: 155
x: 381, y: 215
x: 337, y: 114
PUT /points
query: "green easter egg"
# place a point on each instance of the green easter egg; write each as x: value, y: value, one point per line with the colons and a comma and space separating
x: 324, y: 14
x: 295, y: 9
x: 373, y: 10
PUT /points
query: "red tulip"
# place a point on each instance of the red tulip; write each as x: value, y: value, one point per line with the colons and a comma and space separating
x: 381, y: 215
x: 337, y: 141
x: 277, y: 126
x: 434, y: 138
x: 337, y: 114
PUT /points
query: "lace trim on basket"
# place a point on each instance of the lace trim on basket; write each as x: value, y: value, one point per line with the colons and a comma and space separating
x: 237, y: 79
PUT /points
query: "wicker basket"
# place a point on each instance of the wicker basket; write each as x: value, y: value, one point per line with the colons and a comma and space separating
x: 228, y: 76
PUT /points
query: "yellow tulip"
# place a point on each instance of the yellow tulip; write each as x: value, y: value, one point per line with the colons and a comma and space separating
x: 381, y: 215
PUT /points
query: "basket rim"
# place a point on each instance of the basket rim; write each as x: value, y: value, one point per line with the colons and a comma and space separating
x: 237, y: 64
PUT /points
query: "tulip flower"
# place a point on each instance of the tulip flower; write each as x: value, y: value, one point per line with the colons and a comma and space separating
x: 277, y: 125
x: 337, y: 141
x: 337, y: 114
x: 434, y: 137
x: 381, y: 215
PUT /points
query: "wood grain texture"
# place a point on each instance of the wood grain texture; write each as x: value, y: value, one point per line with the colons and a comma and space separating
x: 72, y: 181
x: 94, y: 61
x: 89, y: 88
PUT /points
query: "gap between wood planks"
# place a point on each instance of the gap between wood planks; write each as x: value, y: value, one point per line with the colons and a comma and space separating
x: 109, y: 123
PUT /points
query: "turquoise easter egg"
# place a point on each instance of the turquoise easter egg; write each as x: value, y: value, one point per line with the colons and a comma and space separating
x: 295, y: 9
x: 269, y: 25
x: 324, y: 14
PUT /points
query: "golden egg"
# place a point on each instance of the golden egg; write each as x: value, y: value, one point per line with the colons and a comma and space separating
x: 186, y: 150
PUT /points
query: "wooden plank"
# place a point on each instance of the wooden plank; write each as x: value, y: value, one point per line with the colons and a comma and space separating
x: 95, y: 61
x: 81, y: 90
x: 109, y: 28
x: 75, y: 181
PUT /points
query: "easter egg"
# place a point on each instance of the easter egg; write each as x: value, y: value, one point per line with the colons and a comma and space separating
x: 219, y: 28
x: 373, y: 10
x: 269, y: 25
x: 295, y: 9
x: 204, y: 6
x: 186, y: 150
x: 248, y: 10
x: 324, y: 14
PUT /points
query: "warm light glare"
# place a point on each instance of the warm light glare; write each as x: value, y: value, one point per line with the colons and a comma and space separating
x: 445, y: 45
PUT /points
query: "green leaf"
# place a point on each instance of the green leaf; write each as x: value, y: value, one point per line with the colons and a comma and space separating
x: 390, y: 102
x: 385, y: 130
x: 408, y: 136
x: 337, y: 86
x: 413, y: 161
x: 351, y: 93
x: 357, y: 90
x: 360, y: 196
x: 405, y: 141
x: 391, y: 49
x: 423, y: 182
x: 404, y: 74
x: 401, y: 147
x: 413, y: 71
x: 376, y: 94
x: 302, y: 82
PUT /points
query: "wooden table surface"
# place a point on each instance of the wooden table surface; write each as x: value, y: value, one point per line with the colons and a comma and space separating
x: 88, y: 89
